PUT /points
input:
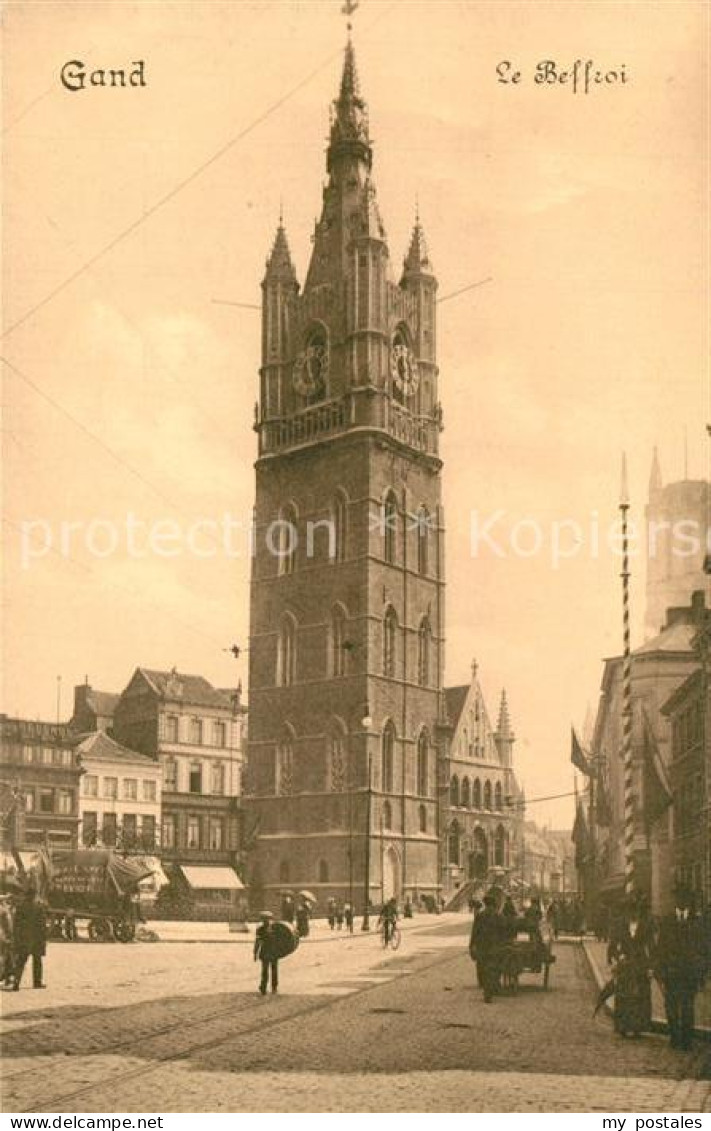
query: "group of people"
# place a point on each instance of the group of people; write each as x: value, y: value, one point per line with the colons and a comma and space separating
x: 339, y: 913
x: 23, y: 935
x: 675, y: 950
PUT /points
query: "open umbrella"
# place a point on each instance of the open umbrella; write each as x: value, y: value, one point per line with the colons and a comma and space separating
x: 308, y: 896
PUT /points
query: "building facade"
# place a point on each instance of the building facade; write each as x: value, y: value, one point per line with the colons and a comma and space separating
x: 93, y: 710
x: 195, y: 733
x: 483, y: 816
x: 347, y: 591
x: 688, y: 712
x: 39, y: 783
x: 659, y: 667
x: 120, y: 796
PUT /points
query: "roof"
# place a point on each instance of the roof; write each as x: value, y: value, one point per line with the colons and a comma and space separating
x: 98, y: 747
x: 192, y: 689
x: 102, y: 702
x: 690, y: 686
x: 206, y: 877
x: 455, y: 698
x: 675, y: 638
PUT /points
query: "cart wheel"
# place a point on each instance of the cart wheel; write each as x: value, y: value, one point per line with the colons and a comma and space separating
x: 99, y: 930
x: 124, y: 930
x: 546, y: 975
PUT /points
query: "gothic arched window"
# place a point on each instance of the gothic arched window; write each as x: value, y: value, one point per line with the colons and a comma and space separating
x: 476, y: 794
x: 466, y: 793
x: 340, y: 526
x: 454, y: 791
x: 387, y: 815
x: 423, y: 540
x: 453, y: 843
x: 500, y: 847
x: 338, y: 641
x: 487, y: 795
x: 390, y: 528
x: 323, y: 871
x: 284, y: 774
x: 423, y: 768
x: 422, y: 812
x: 388, y: 758
x: 498, y: 796
x: 424, y: 640
x: 337, y: 758
x: 286, y: 652
x: 284, y: 871
x: 389, y: 642
x: 287, y: 539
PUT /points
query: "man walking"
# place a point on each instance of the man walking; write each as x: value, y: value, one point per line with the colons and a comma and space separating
x: 30, y: 939
x: 485, y: 945
x: 680, y: 964
x: 265, y: 951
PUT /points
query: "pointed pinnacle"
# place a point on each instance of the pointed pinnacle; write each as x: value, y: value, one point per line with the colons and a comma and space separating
x: 417, y: 260
x: 279, y: 262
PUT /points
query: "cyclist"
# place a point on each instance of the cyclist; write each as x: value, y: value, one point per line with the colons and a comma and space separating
x: 388, y: 919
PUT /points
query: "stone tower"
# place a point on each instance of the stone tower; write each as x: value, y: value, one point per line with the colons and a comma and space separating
x: 346, y: 615
x: 678, y: 532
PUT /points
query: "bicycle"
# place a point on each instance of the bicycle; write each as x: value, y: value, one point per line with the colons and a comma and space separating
x: 394, y: 938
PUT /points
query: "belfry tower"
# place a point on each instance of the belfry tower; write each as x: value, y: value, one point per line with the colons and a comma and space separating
x: 346, y: 615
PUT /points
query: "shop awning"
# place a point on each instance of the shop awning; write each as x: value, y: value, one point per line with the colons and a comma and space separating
x: 200, y: 877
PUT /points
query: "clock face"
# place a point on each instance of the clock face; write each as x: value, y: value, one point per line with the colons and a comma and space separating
x: 311, y: 369
x: 403, y: 369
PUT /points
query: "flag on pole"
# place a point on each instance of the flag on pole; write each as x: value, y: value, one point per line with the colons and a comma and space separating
x: 580, y: 837
x: 578, y: 756
x: 656, y: 790
x: 603, y: 808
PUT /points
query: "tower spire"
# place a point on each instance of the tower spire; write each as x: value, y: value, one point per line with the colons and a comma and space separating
x: 349, y: 121
x: 503, y: 729
x: 279, y: 262
x: 655, y: 475
x: 417, y: 261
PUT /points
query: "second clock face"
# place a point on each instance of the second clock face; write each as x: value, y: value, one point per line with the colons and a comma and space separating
x: 403, y: 369
x: 310, y: 371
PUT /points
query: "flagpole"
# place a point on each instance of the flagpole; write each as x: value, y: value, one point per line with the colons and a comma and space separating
x: 627, y: 759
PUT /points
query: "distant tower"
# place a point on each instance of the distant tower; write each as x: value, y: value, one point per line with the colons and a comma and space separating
x: 504, y: 736
x: 678, y: 524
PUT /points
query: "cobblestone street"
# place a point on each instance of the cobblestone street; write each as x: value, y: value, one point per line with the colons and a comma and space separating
x: 179, y: 1027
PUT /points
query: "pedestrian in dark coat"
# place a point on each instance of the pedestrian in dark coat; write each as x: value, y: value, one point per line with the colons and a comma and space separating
x: 331, y: 914
x: 348, y: 916
x: 264, y: 951
x: 287, y: 909
x: 29, y: 939
x: 6, y: 941
x: 302, y: 919
x: 339, y: 915
x: 629, y: 953
x: 681, y: 964
x: 485, y: 946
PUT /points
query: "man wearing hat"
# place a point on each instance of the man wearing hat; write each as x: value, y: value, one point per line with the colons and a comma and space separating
x: 487, y: 938
x: 681, y: 964
x: 30, y: 938
x: 265, y: 951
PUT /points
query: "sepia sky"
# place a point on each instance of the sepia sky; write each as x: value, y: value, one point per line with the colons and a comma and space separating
x: 132, y: 216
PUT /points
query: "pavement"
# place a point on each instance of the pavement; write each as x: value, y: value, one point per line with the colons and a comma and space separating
x: 151, y: 1028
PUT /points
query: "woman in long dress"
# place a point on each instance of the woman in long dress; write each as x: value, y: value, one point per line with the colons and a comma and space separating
x: 629, y: 954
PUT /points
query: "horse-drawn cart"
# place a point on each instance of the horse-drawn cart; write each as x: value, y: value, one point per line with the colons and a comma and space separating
x: 530, y: 950
x: 96, y: 885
